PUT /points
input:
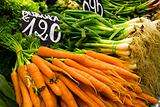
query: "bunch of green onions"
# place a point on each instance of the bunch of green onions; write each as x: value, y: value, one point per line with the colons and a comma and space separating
x: 127, y: 8
x: 87, y: 30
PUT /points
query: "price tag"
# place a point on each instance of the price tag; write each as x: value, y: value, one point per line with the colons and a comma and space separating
x: 42, y: 26
x: 93, y: 5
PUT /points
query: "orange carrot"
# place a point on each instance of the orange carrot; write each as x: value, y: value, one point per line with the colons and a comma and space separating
x: 113, y: 104
x: 123, y: 82
x: 113, y: 73
x: 105, y: 66
x: 26, y: 98
x: 42, y: 104
x: 17, y: 89
x: 39, y: 81
x: 89, y: 57
x: 133, y: 94
x: 54, y: 99
x: 135, y: 86
x: 149, y: 98
x: 53, y: 86
x: 74, y: 64
x: 67, y: 96
x: 119, y: 70
x: 76, y: 90
x: 42, y: 66
x: 126, y: 101
x: 107, y: 103
x: 51, y: 66
x: 122, y: 105
x: 63, y: 104
x: 92, y: 95
x: 106, y: 58
x: 81, y: 103
x: 139, y: 102
x: 97, y: 71
x: 22, y: 71
x: 100, y: 86
x: 70, y: 71
x: 48, y: 52
x: 34, y: 97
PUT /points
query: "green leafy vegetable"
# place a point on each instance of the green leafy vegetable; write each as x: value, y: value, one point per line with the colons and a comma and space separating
x: 6, y: 89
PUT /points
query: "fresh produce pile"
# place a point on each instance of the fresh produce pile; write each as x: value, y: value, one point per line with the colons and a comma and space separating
x: 109, y: 61
x: 56, y: 77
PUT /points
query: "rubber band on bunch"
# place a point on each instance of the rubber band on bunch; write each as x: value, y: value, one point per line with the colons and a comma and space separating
x: 114, y: 45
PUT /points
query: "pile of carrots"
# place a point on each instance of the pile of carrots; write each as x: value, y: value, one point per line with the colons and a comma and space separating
x: 56, y: 78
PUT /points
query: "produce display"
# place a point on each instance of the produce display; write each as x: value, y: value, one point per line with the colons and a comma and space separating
x: 59, y: 54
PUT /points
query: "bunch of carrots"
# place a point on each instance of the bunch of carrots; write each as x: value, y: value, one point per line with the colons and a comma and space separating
x: 56, y: 78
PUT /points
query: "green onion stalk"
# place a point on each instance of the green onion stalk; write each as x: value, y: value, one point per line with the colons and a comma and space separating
x: 132, y: 8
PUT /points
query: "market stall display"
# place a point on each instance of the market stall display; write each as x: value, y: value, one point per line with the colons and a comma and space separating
x: 63, y: 55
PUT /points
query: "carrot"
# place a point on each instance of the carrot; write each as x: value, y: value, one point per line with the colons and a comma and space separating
x: 100, y: 86
x: 149, y: 98
x: 70, y: 71
x: 81, y: 103
x: 76, y: 90
x: 42, y: 104
x: 110, y: 102
x: 51, y: 66
x: 25, y: 94
x: 106, y: 58
x: 113, y: 104
x: 34, y: 97
x: 139, y: 102
x: 136, y: 86
x: 120, y: 81
x: 53, y: 86
x: 119, y: 70
x: 67, y: 96
x: 92, y: 95
x: 122, y: 105
x: 107, y: 103
x: 106, y: 66
x: 74, y: 64
x: 113, y: 73
x: 97, y: 71
x: 22, y: 71
x: 133, y: 94
x: 54, y: 99
x: 39, y: 81
x: 89, y: 57
x: 48, y: 52
x: 63, y: 104
x: 55, y: 68
x: 42, y: 66
x: 17, y: 89
x: 126, y: 101
x: 36, y: 75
